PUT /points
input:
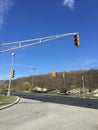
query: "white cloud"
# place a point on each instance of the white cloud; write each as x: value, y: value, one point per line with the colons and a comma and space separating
x: 83, y: 64
x: 90, y: 62
x: 23, y: 66
x: 5, y: 6
x: 69, y: 3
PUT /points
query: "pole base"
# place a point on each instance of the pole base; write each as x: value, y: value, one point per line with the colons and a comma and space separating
x: 8, y: 93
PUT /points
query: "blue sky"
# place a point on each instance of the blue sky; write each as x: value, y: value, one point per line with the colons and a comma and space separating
x: 27, y: 19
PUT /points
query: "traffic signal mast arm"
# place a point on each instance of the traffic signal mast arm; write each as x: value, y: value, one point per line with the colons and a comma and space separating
x: 31, y: 42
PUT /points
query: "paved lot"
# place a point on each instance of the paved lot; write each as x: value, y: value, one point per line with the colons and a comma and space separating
x: 39, y: 115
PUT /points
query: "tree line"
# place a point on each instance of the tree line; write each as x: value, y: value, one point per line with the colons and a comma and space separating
x: 66, y: 80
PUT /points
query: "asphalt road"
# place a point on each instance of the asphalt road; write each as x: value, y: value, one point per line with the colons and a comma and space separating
x: 66, y: 100
x: 44, y: 114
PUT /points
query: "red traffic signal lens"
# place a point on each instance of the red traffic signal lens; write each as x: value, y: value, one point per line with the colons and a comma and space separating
x: 76, y: 39
x: 76, y: 36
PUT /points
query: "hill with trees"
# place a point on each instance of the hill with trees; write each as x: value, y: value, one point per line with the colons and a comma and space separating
x: 62, y: 80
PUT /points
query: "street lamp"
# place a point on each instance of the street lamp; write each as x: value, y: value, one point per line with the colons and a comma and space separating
x: 12, y: 64
x: 33, y: 76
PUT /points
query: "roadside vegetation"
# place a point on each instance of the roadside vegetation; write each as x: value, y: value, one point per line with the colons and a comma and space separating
x: 65, y: 83
x: 5, y: 100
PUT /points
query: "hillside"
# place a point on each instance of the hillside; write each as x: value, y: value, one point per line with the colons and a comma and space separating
x: 72, y: 79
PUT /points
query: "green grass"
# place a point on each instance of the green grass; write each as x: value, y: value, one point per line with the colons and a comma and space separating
x: 4, y: 100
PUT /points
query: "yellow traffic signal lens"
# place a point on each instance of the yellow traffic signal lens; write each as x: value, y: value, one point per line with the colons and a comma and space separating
x: 12, y: 73
x: 54, y: 74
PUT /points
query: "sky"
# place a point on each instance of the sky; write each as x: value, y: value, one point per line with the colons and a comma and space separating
x: 30, y: 19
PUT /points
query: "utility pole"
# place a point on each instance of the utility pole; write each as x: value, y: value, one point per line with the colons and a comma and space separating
x: 33, y: 76
x: 12, y: 64
x: 84, y: 94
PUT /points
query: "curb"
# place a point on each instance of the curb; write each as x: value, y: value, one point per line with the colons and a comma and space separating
x: 6, y: 106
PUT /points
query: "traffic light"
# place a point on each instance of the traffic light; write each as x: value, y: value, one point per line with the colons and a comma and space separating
x: 76, y: 39
x: 54, y: 74
x: 12, y: 73
x: 64, y: 76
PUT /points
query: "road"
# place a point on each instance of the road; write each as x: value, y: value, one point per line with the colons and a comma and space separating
x: 67, y: 100
x: 30, y: 114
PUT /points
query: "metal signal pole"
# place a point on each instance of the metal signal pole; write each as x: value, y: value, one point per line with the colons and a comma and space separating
x: 84, y: 94
x: 12, y: 63
x: 31, y: 42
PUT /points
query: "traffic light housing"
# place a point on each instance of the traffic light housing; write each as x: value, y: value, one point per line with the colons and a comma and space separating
x: 64, y: 75
x: 54, y: 74
x: 12, y: 73
x: 76, y: 39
